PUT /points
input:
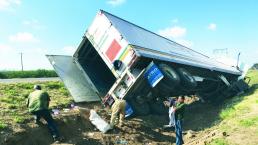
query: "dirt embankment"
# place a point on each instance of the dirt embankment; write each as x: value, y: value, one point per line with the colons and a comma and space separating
x: 139, y: 130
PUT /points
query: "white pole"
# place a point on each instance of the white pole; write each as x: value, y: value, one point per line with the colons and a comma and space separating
x: 21, y: 61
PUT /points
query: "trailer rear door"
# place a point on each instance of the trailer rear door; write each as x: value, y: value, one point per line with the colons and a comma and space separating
x: 74, y: 78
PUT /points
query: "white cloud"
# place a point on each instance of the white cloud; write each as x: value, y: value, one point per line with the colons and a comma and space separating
x: 176, y: 33
x: 173, y: 32
x: 212, y: 26
x: 5, y: 49
x: 69, y: 50
x: 116, y: 2
x: 34, y: 23
x: 9, y: 4
x: 23, y: 37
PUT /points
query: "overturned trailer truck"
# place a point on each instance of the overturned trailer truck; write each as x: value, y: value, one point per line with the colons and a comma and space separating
x: 118, y: 59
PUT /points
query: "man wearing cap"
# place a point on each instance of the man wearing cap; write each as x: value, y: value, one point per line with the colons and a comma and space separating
x: 38, y: 103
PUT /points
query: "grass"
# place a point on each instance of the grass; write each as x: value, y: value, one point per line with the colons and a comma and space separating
x: 240, y: 114
x: 13, y: 100
x: 41, y: 73
x: 219, y: 141
x: 19, y: 119
x: 253, y: 121
x: 2, y: 125
x: 242, y: 103
x: 253, y: 74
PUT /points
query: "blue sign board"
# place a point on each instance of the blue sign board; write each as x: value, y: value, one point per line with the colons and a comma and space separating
x: 153, y: 74
x: 128, y: 110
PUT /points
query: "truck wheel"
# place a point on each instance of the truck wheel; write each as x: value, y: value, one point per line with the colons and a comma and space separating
x: 139, y: 99
x: 149, y: 97
x: 164, y: 89
x: 157, y: 107
x: 141, y: 109
x: 171, y: 78
x: 187, y: 80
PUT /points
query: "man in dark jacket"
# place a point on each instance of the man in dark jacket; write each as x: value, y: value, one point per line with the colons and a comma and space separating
x: 179, y: 116
x: 38, y: 103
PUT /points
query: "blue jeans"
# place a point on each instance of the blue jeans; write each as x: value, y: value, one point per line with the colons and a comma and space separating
x: 178, y: 129
x: 50, y: 121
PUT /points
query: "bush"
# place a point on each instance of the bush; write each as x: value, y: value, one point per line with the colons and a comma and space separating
x: 41, y: 73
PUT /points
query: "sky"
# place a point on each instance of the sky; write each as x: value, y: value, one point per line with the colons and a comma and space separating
x: 213, y: 27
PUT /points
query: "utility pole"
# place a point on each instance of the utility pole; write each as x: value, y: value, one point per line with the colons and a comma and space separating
x: 21, y: 61
x: 238, y: 59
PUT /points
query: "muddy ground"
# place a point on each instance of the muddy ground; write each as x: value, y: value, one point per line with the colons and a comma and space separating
x: 77, y: 129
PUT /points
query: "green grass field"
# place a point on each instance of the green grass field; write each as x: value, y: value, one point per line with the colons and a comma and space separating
x: 41, y: 73
x: 240, y: 116
x: 13, y: 100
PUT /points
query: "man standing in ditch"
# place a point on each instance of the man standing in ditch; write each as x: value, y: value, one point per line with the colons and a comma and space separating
x: 118, y: 108
x: 171, y: 114
x: 38, y: 103
x: 179, y: 116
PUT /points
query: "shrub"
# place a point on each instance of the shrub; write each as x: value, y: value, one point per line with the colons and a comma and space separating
x: 41, y: 73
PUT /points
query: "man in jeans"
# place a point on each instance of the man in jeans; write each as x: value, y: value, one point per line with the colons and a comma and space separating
x: 179, y: 115
x: 38, y: 103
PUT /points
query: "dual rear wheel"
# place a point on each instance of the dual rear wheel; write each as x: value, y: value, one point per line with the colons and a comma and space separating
x: 175, y: 81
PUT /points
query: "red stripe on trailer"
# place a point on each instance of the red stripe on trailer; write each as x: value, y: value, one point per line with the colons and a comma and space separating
x: 113, y: 50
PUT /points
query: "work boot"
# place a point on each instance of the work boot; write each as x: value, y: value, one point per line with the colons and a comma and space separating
x: 167, y: 126
x: 120, y: 125
x: 57, y: 139
x: 38, y: 122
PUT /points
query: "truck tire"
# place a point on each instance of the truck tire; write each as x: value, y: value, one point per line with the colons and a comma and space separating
x: 149, y: 97
x: 187, y: 80
x: 171, y: 78
x: 164, y: 89
x: 141, y: 109
x: 140, y: 99
x: 157, y: 107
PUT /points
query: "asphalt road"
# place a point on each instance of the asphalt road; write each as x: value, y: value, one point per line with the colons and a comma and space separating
x: 22, y: 80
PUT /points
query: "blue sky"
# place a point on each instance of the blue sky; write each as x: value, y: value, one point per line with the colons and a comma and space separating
x: 39, y: 27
